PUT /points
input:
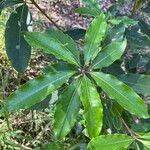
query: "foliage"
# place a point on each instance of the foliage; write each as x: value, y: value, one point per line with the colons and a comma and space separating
x: 89, y: 92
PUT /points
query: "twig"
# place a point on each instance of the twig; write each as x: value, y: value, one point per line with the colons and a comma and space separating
x: 128, y: 129
x: 40, y: 9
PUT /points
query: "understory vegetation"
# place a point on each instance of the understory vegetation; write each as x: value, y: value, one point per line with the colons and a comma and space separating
x: 75, y: 75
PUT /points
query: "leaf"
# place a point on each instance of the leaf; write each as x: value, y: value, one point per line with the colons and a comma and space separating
x: 145, y: 139
x: 91, y: 8
x: 65, y: 40
x: 67, y: 110
x: 114, y: 69
x: 140, y: 83
x: 17, y: 48
x: 50, y: 45
x: 137, y: 40
x: 93, y: 110
x: 114, y: 34
x: 121, y: 93
x: 76, y: 34
x: 126, y: 21
x: 34, y: 91
x: 7, y: 3
x: 88, y: 11
x: 109, y: 54
x: 110, y: 142
x: 60, y: 66
x: 93, y: 37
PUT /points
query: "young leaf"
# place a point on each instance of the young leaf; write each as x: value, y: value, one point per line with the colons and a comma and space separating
x: 67, y: 110
x: 110, y: 142
x: 123, y: 94
x: 35, y: 91
x: 140, y: 83
x: 93, y: 37
x: 109, y: 54
x: 65, y: 40
x: 7, y: 3
x: 51, y: 46
x: 93, y: 110
x: 18, y: 50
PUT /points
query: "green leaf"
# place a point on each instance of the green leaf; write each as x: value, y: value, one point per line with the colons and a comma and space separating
x: 137, y: 40
x: 140, y: 83
x: 93, y: 37
x: 110, y: 142
x: 114, y: 34
x: 60, y: 66
x: 35, y: 91
x: 76, y: 34
x: 145, y: 139
x: 114, y: 69
x: 93, y: 110
x: 109, y: 54
x: 145, y: 136
x: 7, y: 3
x: 91, y: 8
x: 121, y: 93
x: 126, y: 21
x: 65, y: 40
x: 18, y: 50
x: 88, y: 11
x: 51, y: 46
x: 67, y: 109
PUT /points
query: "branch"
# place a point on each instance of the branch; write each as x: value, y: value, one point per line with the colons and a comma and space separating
x: 40, y: 9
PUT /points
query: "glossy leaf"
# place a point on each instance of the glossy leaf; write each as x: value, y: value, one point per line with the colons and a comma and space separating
x: 50, y: 45
x: 93, y: 37
x: 65, y: 40
x: 35, y: 91
x: 93, y: 110
x: 110, y: 142
x: 109, y: 54
x: 60, y: 66
x: 7, y: 3
x: 18, y: 50
x: 121, y: 93
x: 140, y: 83
x: 66, y: 110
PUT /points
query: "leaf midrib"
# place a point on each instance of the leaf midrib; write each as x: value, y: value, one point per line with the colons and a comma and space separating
x: 66, y: 114
x: 117, y: 92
